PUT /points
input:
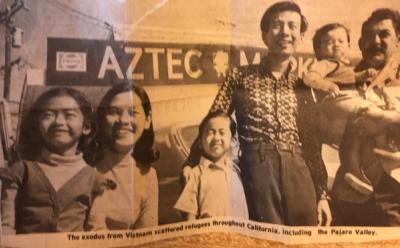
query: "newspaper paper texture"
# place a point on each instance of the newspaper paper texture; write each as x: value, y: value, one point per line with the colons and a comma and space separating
x: 105, y: 140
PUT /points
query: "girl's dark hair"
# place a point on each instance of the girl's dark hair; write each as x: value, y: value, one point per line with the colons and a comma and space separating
x: 278, y: 8
x: 215, y: 114
x: 143, y: 151
x: 317, y: 39
x: 30, y: 141
x: 196, y: 150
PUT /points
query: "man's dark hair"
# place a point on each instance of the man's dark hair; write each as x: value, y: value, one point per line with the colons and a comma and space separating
x: 317, y: 39
x: 379, y: 15
x: 278, y: 8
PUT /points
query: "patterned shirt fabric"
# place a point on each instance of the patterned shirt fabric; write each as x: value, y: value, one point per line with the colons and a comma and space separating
x: 274, y: 111
x: 214, y: 189
x: 265, y: 107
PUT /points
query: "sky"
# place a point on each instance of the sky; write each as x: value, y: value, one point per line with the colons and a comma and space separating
x: 239, y: 19
x: 182, y: 21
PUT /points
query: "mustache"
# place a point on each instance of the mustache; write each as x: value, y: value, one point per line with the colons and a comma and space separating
x: 376, y: 49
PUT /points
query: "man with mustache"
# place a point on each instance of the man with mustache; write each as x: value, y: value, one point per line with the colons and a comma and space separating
x: 379, y: 39
x: 379, y: 46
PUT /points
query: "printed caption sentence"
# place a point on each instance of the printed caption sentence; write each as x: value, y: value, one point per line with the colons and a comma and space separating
x: 255, y: 227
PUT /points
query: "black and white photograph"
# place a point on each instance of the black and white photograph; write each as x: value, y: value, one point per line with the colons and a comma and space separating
x: 126, y: 122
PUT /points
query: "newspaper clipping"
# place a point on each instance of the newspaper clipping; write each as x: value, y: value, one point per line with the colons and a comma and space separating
x: 125, y: 122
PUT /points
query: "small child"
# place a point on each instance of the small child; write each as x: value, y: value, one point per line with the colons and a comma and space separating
x: 52, y: 189
x: 214, y: 187
x: 330, y: 74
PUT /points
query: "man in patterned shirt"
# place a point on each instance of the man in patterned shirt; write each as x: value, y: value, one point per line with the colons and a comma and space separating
x: 281, y: 166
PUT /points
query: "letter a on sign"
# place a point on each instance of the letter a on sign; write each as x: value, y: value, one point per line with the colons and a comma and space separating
x: 109, y: 56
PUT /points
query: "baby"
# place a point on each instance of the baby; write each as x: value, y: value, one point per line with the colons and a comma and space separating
x: 331, y: 74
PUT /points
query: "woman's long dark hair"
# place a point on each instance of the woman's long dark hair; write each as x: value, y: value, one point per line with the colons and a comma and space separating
x: 30, y: 141
x: 143, y: 151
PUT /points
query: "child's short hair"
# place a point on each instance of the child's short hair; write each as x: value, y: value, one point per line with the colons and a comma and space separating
x: 30, y: 141
x: 215, y: 114
x: 143, y: 151
x: 317, y: 39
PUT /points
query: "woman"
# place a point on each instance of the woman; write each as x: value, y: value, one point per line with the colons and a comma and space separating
x: 126, y: 137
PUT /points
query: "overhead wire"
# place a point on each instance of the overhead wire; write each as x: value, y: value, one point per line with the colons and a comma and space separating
x: 81, y: 15
x: 73, y: 12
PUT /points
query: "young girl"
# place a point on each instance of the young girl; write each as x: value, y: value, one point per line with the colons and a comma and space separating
x: 126, y: 139
x: 331, y: 74
x: 214, y: 187
x: 52, y: 189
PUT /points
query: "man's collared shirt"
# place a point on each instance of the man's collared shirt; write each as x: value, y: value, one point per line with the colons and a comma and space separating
x: 275, y: 111
x: 265, y: 107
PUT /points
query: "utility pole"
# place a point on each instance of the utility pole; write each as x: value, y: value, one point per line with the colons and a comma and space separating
x: 6, y: 19
x: 7, y: 65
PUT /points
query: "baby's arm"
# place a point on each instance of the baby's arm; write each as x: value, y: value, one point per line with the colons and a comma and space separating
x: 316, y: 81
x: 315, y: 77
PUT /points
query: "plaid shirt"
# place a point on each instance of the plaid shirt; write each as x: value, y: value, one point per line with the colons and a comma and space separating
x: 274, y: 111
